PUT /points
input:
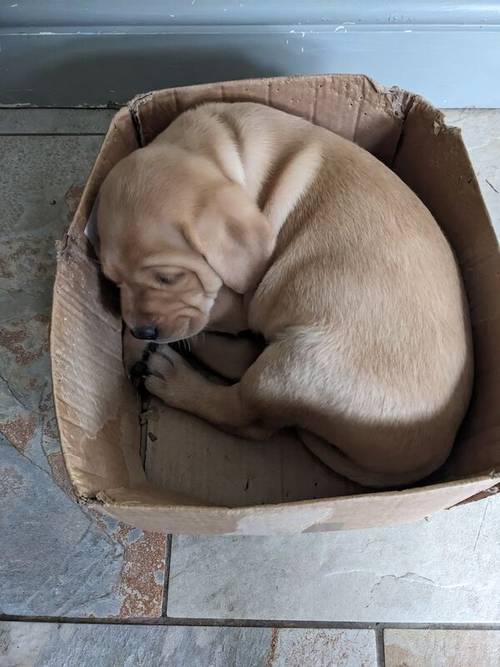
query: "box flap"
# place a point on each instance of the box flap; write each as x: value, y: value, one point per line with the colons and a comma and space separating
x: 433, y: 161
x: 354, y: 106
x: 151, y: 510
x: 99, y: 434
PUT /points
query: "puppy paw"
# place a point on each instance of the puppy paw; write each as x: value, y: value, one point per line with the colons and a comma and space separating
x: 165, y: 363
x: 168, y: 375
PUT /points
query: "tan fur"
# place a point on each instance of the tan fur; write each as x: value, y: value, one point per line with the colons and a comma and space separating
x: 285, y: 228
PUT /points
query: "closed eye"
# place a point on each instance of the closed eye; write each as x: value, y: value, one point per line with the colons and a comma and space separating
x: 170, y: 279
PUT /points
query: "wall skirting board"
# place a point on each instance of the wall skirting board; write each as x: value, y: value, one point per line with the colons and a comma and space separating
x: 103, y: 52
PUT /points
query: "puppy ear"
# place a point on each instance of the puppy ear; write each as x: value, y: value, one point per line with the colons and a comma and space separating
x: 234, y: 237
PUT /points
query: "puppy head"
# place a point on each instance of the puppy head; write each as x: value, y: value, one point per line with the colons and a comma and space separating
x: 172, y: 230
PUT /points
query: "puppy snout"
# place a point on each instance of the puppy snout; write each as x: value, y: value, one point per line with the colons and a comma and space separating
x: 148, y: 332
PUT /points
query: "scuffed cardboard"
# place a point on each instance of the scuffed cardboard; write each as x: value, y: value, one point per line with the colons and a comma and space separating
x: 247, y: 491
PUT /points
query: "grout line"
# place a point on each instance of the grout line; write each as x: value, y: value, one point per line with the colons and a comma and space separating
x: 357, y: 625
x: 378, y: 628
x: 379, y: 645
x: 166, y: 580
x: 52, y: 134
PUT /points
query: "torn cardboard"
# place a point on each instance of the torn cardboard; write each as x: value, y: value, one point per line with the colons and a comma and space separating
x: 196, y: 479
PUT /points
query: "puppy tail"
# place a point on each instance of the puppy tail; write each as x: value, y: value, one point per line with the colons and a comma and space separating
x: 333, y: 458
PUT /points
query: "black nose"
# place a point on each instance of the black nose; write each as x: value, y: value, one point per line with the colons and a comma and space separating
x: 148, y: 332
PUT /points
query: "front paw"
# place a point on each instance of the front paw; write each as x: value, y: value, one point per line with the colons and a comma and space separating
x: 136, y: 357
x: 168, y: 376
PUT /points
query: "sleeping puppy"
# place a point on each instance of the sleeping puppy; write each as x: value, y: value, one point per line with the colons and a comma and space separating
x: 240, y: 216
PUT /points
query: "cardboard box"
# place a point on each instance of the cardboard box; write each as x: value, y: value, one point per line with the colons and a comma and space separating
x: 199, y: 480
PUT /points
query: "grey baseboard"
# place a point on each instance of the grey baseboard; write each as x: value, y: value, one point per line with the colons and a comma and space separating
x: 106, y: 52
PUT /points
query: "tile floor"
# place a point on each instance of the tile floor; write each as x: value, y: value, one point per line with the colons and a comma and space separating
x: 77, y: 589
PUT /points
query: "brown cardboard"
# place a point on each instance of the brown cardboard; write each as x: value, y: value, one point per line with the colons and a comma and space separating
x: 198, y: 480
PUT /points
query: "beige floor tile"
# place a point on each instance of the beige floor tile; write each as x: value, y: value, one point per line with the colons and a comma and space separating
x: 442, y: 648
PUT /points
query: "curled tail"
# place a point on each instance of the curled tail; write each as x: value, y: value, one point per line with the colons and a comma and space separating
x: 332, y: 457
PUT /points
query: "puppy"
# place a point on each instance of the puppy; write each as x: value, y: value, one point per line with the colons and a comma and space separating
x: 239, y: 216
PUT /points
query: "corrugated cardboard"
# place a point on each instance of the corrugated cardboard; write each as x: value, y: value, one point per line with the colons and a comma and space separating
x: 198, y: 480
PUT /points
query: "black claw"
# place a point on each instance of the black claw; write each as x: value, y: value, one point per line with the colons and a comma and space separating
x: 138, y: 372
x: 139, y: 368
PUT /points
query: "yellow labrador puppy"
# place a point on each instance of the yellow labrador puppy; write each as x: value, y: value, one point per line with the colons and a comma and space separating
x: 240, y: 216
